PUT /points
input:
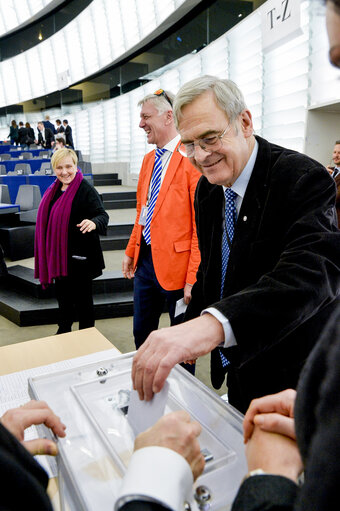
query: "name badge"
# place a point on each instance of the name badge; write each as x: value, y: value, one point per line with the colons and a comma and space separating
x: 143, y: 215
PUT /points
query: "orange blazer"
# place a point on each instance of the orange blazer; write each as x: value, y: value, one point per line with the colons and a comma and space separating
x: 174, y: 244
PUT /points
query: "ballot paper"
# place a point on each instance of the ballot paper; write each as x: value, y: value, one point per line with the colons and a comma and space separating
x: 143, y: 414
x: 181, y: 307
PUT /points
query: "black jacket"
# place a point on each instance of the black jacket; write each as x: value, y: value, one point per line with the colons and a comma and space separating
x: 283, y: 272
x: 22, y: 135
x: 87, y: 204
x: 49, y: 138
x: 68, y: 136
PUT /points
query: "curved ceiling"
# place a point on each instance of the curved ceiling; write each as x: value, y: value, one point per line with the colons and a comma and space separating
x: 15, y: 14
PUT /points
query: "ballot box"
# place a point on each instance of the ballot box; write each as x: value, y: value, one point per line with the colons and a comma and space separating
x: 93, y: 401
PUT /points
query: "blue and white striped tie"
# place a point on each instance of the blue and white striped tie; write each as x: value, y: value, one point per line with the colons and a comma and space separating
x: 227, y: 239
x: 155, y: 187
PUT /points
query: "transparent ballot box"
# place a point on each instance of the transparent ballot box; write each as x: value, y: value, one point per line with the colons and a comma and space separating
x: 93, y: 402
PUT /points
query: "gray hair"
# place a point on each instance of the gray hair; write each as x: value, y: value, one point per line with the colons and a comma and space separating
x: 159, y: 102
x: 228, y: 96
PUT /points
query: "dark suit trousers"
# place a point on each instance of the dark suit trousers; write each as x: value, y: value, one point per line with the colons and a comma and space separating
x: 74, y: 295
x: 150, y: 298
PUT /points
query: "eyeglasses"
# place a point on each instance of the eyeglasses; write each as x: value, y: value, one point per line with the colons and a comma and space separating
x: 208, y: 144
x: 161, y: 92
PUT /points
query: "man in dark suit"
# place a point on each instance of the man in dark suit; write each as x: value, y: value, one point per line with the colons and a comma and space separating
x: 334, y: 171
x: 60, y: 127
x: 68, y: 133
x: 22, y: 135
x: 45, y: 136
x: 282, y: 275
x: 47, y: 123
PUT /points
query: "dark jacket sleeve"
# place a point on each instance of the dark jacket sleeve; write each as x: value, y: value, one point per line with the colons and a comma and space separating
x: 266, y: 493
x: 98, y: 214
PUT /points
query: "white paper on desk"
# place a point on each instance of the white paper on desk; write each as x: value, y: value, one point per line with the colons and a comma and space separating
x: 143, y: 414
x: 181, y: 307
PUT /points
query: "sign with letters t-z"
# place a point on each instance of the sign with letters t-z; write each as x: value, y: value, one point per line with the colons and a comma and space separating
x: 281, y: 22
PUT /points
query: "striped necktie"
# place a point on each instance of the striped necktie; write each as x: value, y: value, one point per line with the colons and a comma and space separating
x: 154, y: 191
x: 227, y: 239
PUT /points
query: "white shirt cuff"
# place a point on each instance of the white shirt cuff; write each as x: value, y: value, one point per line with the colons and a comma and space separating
x: 229, y: 337
x: 156, y: 474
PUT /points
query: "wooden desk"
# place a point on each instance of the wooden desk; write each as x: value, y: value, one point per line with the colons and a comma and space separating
x: 39, y: 352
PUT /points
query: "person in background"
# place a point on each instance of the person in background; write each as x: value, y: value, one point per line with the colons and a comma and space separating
x: 45, y: 136
x: 24, y: 481
x: 13, y: 133
x: 30, y: 134
x: 60, y: 127
x: 47, y: 123
x: 59, y: 143
x: 162, y: 254
x: 70, y: 218
x: 334, y: 171
x: 22, y: 135
x: 68, y: 133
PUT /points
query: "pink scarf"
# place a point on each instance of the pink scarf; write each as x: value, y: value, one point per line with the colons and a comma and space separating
x: 51, y: 233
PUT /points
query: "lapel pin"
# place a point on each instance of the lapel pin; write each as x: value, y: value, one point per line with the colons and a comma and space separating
x: 245, y: 218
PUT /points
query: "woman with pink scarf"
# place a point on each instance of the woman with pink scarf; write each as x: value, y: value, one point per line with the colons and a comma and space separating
x: 71, y: 217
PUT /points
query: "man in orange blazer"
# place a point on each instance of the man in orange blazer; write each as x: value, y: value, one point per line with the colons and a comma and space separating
x: 162, y: 254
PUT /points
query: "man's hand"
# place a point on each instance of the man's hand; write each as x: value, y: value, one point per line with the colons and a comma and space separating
x: 86, y: 226
x: 127, y: 267
x: 274, y: 413
x: 274, y: 453
x: 176, y: 431
x: 34, y: 412
x: 165, y: 348
x: 187, y: 293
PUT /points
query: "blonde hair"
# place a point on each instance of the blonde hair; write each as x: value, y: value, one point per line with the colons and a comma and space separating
x: 159, y: 102
x: 61, y: 154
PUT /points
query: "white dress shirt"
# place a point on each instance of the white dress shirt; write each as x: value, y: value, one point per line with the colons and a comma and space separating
x: 156, y: 474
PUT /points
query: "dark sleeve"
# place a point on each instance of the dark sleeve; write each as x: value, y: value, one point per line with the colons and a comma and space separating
x: 266, y: 493
x: 96, y: 210
x: 322, y: 465
x: 305, y: 277
x: 23, y: 481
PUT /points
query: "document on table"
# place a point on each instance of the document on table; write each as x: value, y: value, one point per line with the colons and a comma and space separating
x: 14, y: 391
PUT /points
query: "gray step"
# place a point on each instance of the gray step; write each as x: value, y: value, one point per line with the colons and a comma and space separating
x: 25, y: 310
x: 119, y: 203
x: 21, y: 279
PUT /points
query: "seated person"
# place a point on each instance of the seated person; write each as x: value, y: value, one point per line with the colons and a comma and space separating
x: 59, y: 143
x: 24, y: 481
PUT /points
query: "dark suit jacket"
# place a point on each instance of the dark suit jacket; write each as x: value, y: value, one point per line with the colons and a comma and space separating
x: 283, y: 271
x: 317, y: 419
x: 60, y: 129
x: 50, y: 126
x: 49, y: 137
x: 337, y: 182
x: 22, y: 135
x: 68, y: 136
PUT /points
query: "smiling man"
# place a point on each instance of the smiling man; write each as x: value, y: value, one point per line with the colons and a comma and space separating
x: 162, y: 254
x: 270, y: 251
